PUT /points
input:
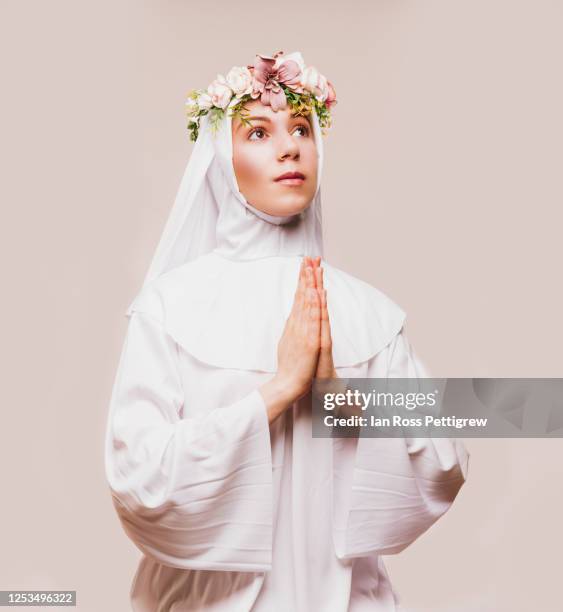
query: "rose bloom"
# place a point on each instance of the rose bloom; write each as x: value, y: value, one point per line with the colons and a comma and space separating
x: 275, y: 143
x: 204, y: 101
x: 312, y: 80
x: 331, y: 98
x: 220, y: 92
x: 239, y: 80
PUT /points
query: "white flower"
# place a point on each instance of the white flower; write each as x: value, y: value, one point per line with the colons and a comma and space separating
x: 204, y: 101
x: 220, y: 92
x: 239, y: 80
x: 192, y: 106
x: 312, y: 80
x: 295, y: 56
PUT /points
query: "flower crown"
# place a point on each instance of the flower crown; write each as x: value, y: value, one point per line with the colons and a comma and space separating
x: 276, y: 80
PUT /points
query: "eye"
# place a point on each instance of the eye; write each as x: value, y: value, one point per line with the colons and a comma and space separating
x: 260, y: 132
x: 304, y: 130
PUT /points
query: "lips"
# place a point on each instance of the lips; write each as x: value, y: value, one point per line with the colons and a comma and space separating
x: 290, y: 175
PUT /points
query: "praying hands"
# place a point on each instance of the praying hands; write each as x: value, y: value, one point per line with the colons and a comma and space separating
x: 325, y: 365
x: 305, y: 348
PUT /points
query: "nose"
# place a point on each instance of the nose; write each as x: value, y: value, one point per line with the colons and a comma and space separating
x: 288, y: 147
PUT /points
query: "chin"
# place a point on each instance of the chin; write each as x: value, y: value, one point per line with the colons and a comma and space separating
x: 292, y: 206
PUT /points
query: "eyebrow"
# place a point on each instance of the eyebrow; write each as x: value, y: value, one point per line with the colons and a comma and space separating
x: 267, y: 119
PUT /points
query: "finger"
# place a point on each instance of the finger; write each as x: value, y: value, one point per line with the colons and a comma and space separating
x: 300, y: 309
x: 302, y: 317
x: 319, y: 278
x: 309, y: 284
x: 314, y: 319
x: 303, y: 310
x: 299, y: 298
x: 326, y: 336
x: 307, y: 267
x: 310, y: 277
x: 315, y: 263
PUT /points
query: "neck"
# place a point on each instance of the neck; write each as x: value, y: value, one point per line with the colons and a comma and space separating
x: 246, y: 233
x: 243, y: 235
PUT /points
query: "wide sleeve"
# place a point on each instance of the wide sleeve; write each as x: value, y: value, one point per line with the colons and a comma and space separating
x: 389, y: 491
x: 192, y: 493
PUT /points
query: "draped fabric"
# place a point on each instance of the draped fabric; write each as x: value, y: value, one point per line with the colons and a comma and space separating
x: 231, y: 512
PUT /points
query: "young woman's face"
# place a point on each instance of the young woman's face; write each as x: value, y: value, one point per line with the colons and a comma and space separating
x: 277, y: 143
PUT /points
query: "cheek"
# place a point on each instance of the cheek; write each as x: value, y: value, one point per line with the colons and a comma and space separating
x: 248, y: 163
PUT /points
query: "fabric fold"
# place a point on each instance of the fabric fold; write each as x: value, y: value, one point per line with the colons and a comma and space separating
x: 236, y: 316
x: 389, y: 491
x: 199, y: 478
x: 193, y: 492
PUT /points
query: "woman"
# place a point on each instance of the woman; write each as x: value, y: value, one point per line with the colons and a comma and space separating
x: 212, y: 467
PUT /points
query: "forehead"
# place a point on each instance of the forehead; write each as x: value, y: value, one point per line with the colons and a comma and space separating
x: 256, y: 109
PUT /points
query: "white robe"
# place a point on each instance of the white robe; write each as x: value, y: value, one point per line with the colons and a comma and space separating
x: 231, y: 513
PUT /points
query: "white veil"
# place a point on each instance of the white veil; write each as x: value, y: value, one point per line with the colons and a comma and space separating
x: 229, y: 307
x: 221, y: 284
x: 210, y: 213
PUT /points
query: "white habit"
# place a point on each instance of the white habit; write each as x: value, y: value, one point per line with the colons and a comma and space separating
x: 233, y: 514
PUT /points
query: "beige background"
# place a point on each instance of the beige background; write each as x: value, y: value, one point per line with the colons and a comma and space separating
x: 442, y: 187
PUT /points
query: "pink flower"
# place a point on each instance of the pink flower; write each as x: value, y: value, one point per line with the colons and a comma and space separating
x: 220, y: 92
x: 295, y: 56
x: 331, y: 98
x: 239, y: 80
x: 204, y: 100
x: 312, y: 80
x: 267, y: 80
